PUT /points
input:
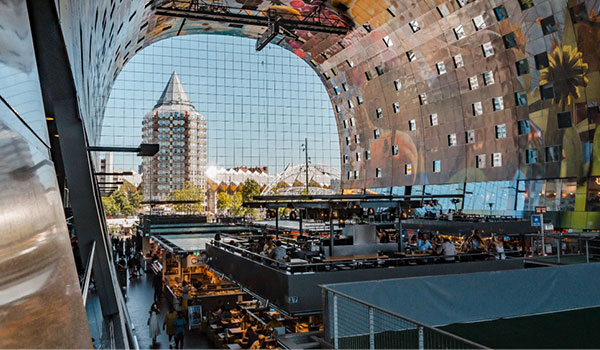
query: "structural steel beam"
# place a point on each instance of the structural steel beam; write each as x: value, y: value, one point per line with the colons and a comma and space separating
x: 60, y: 102
x: 245, y: 19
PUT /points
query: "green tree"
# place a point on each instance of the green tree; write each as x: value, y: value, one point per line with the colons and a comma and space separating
x: 236, y: 205
x: 110, y: 207
x: 135, y: 199
x: 121, y: 199
x: 250, y: 189
x: 224, y: 201
x: 190, y: 192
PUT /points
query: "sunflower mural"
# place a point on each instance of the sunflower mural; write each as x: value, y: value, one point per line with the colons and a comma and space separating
x: 567, y: 74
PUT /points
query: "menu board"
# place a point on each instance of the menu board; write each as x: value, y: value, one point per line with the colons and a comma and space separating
x: 195, y: 316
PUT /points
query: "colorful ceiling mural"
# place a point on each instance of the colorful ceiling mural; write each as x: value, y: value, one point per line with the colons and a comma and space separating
x: 425, y: 92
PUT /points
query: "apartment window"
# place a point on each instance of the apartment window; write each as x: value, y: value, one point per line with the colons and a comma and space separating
x: 548, y: 25
x: 423, y: 98
x: 379, y: 70
x: 437, y: 166
x: 521, y: 98
x: 350, y: 63
x: 367, y: 155
x: 379, y: 113
x: 524, y: 127
x: 522, y: 67
x: 350, y: 104
x: 395, y: 150
x: 433, y: 119
x: 396, y: 106
x: 443, y: 10
x: 337, y: 108
x: 553, y: 154
x: 480, y: 161
x: 470, y: 136
x: 546, y: 91
x: 541, y: 61
x: 477, y: 108
x: 355, y: 174
x: 397, y: 85
x: 510, y: 40
x: 496, y: 160
x: 327, y: 77
x: 376, y: 134
x: 564, y: 120
x: 352, y: 121
x: 488, y: 49
x: 501, y: 131
x: 414, y: 25
x: 367, y: 27
x: 345, y: 123
x: 345, y: 86
x: 531, y: 156
x: 337, y: 90
x: 473, y: 83
x: 525, y: 4
x: 462, y: 3
x: 441, y: 68
x: 412, y: 125
x: 408, y: 169
x: 459, y: 32
x: 500, y: 12
x: 479, y: 23
x: 349, y: 175
x: 359, y: 100
x: 357, y: 138
x: 334, y: 71
x: 388, y: 41
x: 346, y: 158
x: 411, y: 55
x: 488, y: 78
x: 458, y: 61
x: 452, y: 140
x: 348, y: 141
x: 358, y: 156
x: 378, y: 172
x: 391, y: 12
x: 498, y: 103
x: 369, y: 75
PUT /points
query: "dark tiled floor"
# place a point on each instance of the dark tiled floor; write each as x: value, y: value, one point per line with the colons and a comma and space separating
x: 139, y: 299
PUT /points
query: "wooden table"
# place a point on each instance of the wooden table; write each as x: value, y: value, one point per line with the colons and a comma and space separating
x: 354, y: 257
x: 413, y: 255
x: 235, y: 331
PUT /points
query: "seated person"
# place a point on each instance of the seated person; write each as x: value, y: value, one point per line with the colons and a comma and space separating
x: 278, y: 253
x: 423, y: 243
x: 250, y: 337
x: 246, y: 322
x: 477, y: 244
x: 268, y: 247
x: 496, y: 247
x: 384, y: 238
x: 226, y: 315
x: 446, y: 249
x: 259, y: 343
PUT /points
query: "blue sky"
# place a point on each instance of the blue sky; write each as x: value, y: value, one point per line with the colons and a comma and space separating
x: 259, y: 106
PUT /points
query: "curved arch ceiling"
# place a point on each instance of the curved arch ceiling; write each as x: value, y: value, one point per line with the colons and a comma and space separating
x: 425, y: 92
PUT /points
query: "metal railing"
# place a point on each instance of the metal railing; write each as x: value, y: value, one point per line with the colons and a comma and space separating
x: 564, y: 245
x: 354, y: 324
x: 383, y: 261
x: 88, y: 274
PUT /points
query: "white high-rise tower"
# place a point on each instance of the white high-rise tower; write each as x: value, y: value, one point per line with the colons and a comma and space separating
x: 180, y: 131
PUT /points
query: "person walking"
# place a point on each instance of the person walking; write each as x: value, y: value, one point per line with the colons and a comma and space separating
x: 168, y: 324
x: 179, y: 325
x: 153, y: 323
x: 157, y: 284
